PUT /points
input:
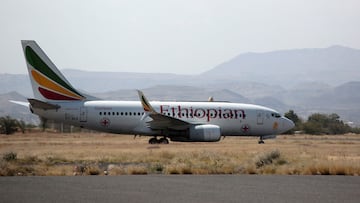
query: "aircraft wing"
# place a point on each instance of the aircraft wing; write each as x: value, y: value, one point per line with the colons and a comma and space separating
x: 160, y: 121
x: 165, y: 122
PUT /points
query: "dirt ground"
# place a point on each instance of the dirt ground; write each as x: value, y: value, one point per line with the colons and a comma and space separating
x: 109, y: 154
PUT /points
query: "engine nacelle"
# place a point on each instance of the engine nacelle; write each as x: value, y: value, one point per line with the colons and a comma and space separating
x: 205, y: 133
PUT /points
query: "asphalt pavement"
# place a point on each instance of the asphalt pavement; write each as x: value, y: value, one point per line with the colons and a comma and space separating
x: 181, y: 188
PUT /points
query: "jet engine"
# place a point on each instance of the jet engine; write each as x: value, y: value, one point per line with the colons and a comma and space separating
x: 204, y: 133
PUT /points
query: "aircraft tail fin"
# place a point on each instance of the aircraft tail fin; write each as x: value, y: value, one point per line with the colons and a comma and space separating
x: 47, y: 82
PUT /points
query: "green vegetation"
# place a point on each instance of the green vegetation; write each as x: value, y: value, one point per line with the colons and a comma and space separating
x: 319, y: 124
x: 295, y: 118
x: 9, y: 125
x: 10, y: 156
x: 325, y: 124
x: 267, y: 158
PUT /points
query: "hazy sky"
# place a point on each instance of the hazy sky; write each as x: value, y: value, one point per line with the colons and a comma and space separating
x: 169, y: 36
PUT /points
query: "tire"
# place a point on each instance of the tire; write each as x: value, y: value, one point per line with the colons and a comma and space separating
x: 153, y: 141
x: 163, y: 141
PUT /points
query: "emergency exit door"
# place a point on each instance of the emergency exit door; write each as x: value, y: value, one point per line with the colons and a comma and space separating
x: 260, y: 117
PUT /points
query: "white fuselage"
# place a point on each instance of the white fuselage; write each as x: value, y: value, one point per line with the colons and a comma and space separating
x: 128, y: 117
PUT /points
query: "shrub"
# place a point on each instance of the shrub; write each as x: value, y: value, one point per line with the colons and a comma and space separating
x: 267, y: 159
x: 137, y: 170
x: 10, y: 156
x: 92, y: 170
x: 8, y: 125
x: 157, y: 168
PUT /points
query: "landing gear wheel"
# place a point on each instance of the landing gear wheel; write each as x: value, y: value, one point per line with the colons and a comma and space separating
x: 261, y: 141
x: 153, y: 141
x: 163, y: 141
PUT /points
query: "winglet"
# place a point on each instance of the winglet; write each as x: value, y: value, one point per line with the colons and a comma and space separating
x: 145, y: 103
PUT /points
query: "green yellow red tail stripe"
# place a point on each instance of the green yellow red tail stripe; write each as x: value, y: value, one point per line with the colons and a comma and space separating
x: 43, y: 81
x: 50, y: 84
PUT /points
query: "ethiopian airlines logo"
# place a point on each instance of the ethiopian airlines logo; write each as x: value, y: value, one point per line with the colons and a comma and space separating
x: 51, y: 86
x: 145, y: 104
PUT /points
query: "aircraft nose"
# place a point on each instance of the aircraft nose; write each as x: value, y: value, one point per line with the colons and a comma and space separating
x: 287, y: 124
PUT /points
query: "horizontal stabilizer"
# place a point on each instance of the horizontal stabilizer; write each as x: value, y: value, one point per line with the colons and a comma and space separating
x: 20, y: 103
x: 42, y: 105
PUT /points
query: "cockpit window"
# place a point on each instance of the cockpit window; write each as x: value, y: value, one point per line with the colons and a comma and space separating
x: 276, y: 115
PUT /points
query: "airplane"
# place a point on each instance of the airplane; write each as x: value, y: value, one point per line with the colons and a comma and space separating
x: 56, y: 99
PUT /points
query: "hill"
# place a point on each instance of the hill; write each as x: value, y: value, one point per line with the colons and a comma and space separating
x: 332, y: 65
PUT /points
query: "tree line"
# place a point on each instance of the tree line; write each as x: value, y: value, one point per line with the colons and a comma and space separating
x: 319, y: 124
x: 316, y: 124
x: 10, y: 125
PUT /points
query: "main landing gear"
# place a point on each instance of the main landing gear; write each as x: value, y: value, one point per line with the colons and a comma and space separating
x: 163, y: 140
x: 261, y: 141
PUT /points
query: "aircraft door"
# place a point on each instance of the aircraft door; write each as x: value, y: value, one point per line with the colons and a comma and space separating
x: 83, y: 114
x: 260, y: 117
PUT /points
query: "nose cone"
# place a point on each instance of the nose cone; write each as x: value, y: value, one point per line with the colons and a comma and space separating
x: 287, y: 124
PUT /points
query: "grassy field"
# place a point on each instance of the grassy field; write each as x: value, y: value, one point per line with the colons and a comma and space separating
x: 106, y: 154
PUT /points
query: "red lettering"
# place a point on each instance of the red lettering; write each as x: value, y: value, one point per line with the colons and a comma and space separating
x: 191, y: 112
x: 227, y: 113
x: 164, y: 108
x: 241, y: 114
x: 180, y: 111
x: 211, y: 113
x: 200, y: 113
x: 173, y: 111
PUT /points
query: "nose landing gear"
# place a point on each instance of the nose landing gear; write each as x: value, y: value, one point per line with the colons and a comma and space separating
x: 261, y: 141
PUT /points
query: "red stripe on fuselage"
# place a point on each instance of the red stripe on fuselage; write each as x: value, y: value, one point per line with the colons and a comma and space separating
x: 53, y: 95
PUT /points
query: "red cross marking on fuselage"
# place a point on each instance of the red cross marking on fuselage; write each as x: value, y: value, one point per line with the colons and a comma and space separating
x: 105, y: 122
x: 245, y: 128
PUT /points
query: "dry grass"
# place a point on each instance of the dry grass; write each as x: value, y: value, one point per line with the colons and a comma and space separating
x: 99, y: 154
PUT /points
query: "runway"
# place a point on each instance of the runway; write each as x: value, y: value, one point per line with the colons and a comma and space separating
x: 182, y: 188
